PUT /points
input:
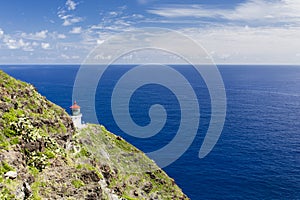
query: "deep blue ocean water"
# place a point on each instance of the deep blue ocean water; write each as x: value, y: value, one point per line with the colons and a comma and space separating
x: 258, y: 153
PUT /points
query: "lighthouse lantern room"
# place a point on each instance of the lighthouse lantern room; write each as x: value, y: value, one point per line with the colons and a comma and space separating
x: 76, y: 115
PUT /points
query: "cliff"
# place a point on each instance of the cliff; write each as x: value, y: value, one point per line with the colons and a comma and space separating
x: 43, y: 156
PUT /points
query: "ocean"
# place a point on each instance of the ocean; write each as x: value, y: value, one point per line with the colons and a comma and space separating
x: 258, y: 153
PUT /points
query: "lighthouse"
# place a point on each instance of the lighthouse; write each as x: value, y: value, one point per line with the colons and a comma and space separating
x: 76, y: 115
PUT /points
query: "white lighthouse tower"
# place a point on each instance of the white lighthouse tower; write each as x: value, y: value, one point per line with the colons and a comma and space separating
x: 76, y: 115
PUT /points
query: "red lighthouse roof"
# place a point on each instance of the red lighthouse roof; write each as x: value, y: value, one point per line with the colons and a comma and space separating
x: 75, y: 106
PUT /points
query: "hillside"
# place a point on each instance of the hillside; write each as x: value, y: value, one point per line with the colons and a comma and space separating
x: 43, y: 156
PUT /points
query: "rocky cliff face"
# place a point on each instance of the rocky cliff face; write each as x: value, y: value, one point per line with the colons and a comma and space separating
x: 42, y: 156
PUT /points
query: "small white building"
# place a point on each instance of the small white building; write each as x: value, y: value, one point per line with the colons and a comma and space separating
x: 76, y: 115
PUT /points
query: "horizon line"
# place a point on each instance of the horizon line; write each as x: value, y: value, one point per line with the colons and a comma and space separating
x: 180, y: 64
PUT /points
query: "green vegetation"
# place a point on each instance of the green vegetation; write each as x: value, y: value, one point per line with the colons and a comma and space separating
x: 77, y: 183
x: 5, y: 167
x: 54, y: 161
x: 128, y: 197
x: 5, y: 194
x: 34, y: 171
x: 35, y: 190
x: 82, y: 152
x: 127, y: 169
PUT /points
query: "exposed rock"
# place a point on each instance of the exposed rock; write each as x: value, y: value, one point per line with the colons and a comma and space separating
x: 43, y: 157
x: 20, y: 194
x: 27, y: 190
x: 38, y: 145
x: 152, y: 176
x: 94, y: 193
x: 155, y: 196
x: 89, y: 176
x: 11, y: 174
x: 147, y: 187
x: 135, y: 193
x: 119, y: 138
x: 105, y: 169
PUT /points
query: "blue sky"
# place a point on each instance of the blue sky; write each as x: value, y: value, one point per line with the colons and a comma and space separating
x: 65, y: 31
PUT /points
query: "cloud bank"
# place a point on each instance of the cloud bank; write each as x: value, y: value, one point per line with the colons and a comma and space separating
x: 252, y: 32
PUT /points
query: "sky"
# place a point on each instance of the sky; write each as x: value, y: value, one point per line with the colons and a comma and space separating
x: 232, y: 32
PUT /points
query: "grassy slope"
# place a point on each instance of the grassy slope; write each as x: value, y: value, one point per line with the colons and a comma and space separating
x: 133, y: 174
x: 39, y: 141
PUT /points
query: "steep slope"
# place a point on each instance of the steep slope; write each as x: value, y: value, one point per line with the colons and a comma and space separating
x: 43, y: 157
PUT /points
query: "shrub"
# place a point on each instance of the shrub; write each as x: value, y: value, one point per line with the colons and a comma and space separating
x: 77, y: 183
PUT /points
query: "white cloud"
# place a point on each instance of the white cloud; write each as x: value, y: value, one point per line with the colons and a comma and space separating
x: 35, y: 44
x: 269, y: 34
x: 232, y: 44
x: 68, y: 18
x: 276, y: 11
x: 236, y: 44
x: 71, y: 5
x: 55, y: 35
x: 61, y: 36
x: 45, y: 45
x: 76, y: 30
x: 11, y: 44
x: 1, y: 33
x: 281, y: 10
x: 41, y: 34
x: 26, y: 46
x: 17, y: 44
x: 272, y: 34
x: 112, y: 22
x: 113, y: 13
x: 98, y: 41
x: 35, y: 36
x: 116, y: 22
x: 64, y: 56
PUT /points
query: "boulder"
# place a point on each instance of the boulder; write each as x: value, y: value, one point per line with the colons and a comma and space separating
x: 11, y: 174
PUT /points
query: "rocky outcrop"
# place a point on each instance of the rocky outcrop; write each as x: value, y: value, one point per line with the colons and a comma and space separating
x: 42, y: 155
